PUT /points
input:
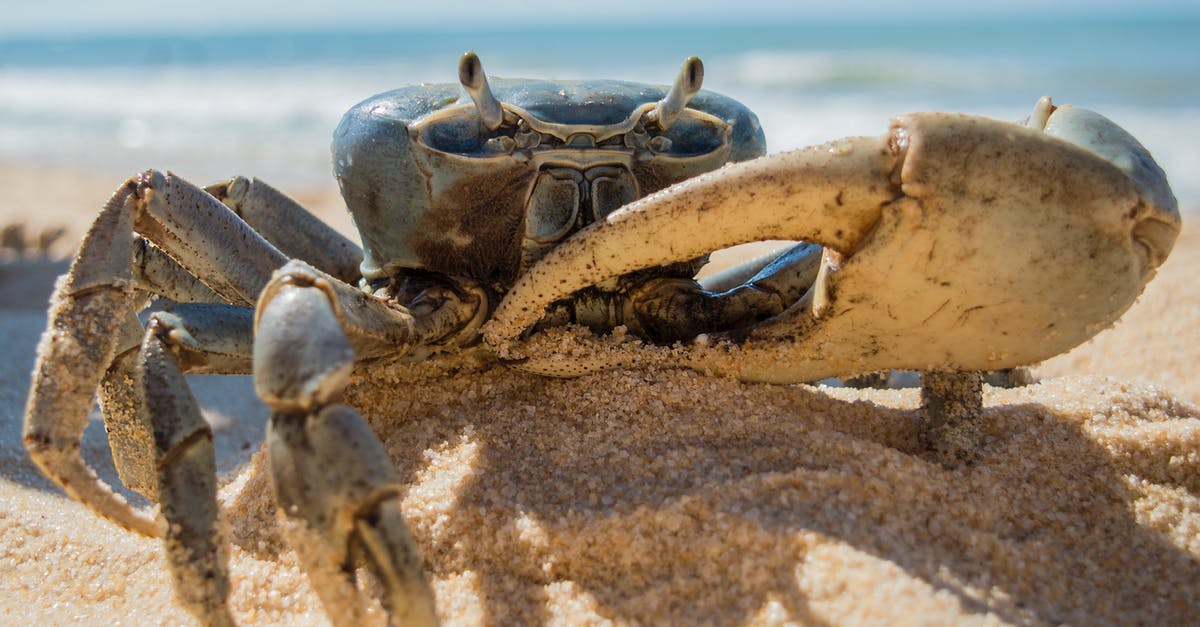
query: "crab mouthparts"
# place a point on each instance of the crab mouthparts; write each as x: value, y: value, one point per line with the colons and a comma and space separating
x: 564, y: 199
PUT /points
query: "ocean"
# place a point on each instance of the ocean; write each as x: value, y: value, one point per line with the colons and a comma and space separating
x: 265, y: 103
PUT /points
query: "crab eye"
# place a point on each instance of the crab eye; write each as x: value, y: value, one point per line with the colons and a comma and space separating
x: 687, y: 84
x: 458, y: 131
x: 669, y: 128
x: 688, y: 136
x: 458, y: 134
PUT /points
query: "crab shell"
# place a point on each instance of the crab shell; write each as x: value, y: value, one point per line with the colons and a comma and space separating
x: 954, y: 242
x: 430, y: 187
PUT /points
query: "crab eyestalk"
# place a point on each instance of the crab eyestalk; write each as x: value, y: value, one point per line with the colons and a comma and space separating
x: 474, y: 81
x: 691, y: 77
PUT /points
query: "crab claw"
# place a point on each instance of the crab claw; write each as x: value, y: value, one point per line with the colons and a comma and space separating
x: 953, y: 242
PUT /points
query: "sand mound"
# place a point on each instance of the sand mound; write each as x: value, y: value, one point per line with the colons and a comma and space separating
x: 671, y: 497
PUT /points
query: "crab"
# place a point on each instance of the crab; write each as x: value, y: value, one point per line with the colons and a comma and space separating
x: 492, y: 220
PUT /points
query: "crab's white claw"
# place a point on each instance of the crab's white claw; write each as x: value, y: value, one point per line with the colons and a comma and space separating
x: 963, y: 243
x: 1160, y: 221
x: 831, y: 195
x: 1041, y: 113
x: 1006, y: 248
x: 1101, y: 136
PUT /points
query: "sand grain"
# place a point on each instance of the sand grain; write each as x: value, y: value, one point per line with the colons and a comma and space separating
x: 669, y: 497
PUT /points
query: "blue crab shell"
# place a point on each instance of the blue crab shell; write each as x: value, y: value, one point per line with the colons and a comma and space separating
x: 430, y: 188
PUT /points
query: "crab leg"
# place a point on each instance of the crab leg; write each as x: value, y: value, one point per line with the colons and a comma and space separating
x: 73, y: 354
x: 206, y: 238
x: 337, y: 485
x: 290, y: 227
x: 331, y: 474
x: 187, y: 481
x: 91, y: 304
x: 163, y: 448
x: 952, y: 402
x: 211, y: 337
x: 155, y: 272
x: 203, y: 338
x: 201, y: 251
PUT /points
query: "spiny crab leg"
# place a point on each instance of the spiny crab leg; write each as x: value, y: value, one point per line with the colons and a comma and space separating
x: 962, y: 244
x: 90, y: 306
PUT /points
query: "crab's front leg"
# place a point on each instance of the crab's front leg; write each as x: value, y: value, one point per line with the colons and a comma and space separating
x: 292, y: 229
x: 332, y: 476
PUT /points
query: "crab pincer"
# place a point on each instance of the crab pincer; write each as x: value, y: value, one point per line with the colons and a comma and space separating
x: 954, y: 243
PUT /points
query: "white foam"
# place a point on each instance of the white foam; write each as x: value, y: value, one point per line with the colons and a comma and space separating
x: 276, y: 122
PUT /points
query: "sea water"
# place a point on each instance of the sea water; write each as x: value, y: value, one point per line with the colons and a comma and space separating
x: 265, y: 103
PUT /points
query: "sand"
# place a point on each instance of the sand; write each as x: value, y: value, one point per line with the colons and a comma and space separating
x: 669, y: 497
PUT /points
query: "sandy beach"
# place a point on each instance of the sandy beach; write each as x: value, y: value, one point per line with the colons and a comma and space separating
x: 668, y: 497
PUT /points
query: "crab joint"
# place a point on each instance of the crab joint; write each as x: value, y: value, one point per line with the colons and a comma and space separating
x: 302, y: 358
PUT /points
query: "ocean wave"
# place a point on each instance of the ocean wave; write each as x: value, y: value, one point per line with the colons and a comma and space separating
x: 276, y: 123
x: 870, y: 69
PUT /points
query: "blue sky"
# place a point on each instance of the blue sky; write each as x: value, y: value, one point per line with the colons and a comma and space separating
x: 164, y: 16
